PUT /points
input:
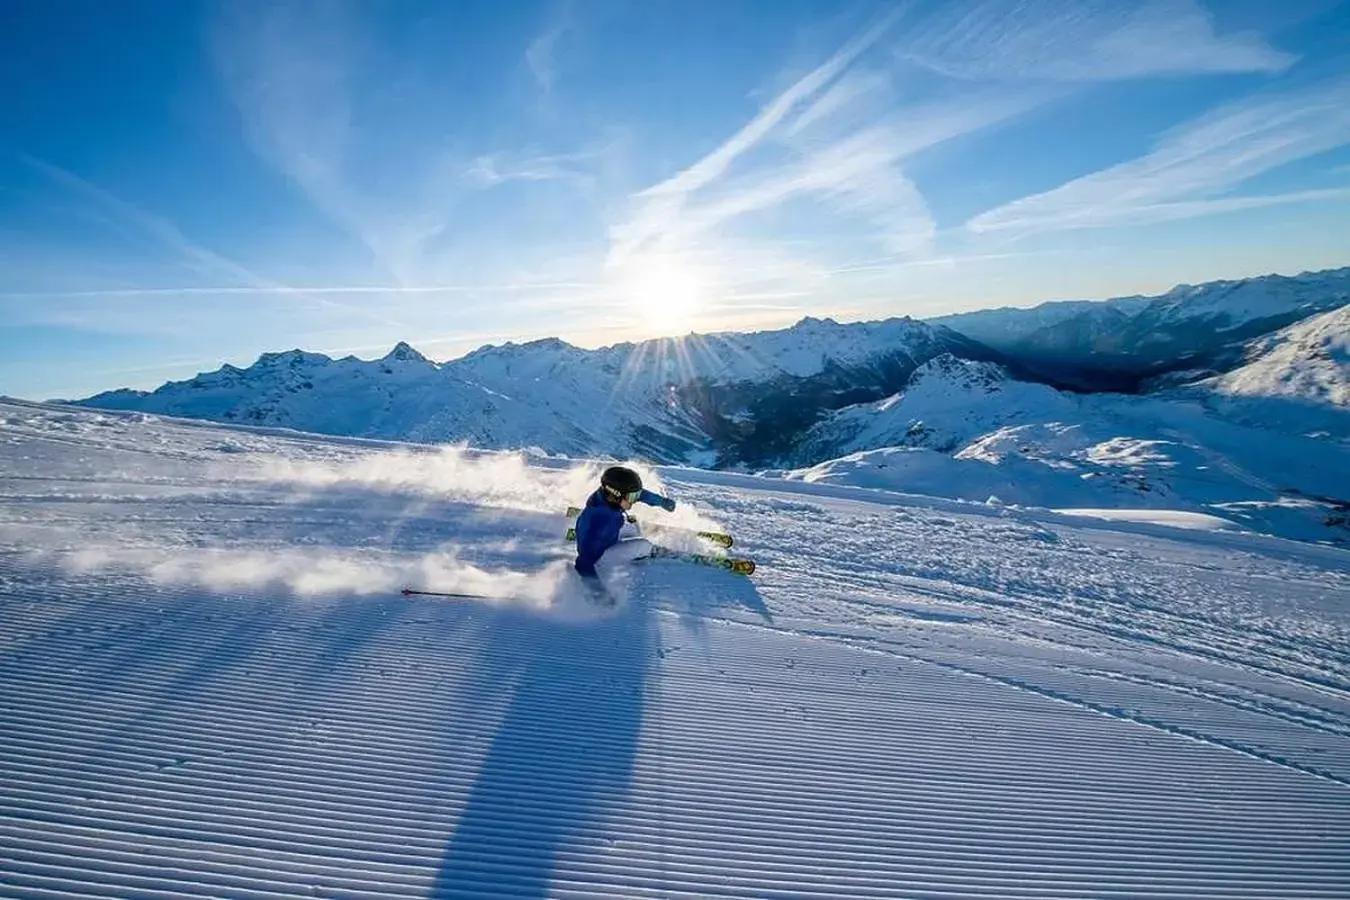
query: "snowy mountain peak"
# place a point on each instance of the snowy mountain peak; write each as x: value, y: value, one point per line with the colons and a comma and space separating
x: 403, y: 352
x: 689, y: 399
x: 289, y: 359
x: 551, y: 348
x: 810, y: 323
x: 947, y: 402
x: 548, y: 343
x: 1232, y: 304
x: 797, y: 395
x: 949, y: 373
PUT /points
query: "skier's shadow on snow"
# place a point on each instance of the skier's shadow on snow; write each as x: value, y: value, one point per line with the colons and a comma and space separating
x: 563, y: 751
x: 695, y: 592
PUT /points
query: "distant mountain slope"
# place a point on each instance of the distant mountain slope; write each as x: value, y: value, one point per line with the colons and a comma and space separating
x: 1117, y: 344
x: 702, y: 399
x: 947, y: 402
x: 966, y: 429
x: 1294, y: 382
x: 1309, y: 362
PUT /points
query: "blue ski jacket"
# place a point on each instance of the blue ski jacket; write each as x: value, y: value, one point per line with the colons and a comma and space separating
x: 599, y: 525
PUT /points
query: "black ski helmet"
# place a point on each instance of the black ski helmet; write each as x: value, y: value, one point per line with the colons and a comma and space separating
x: 620, y: 480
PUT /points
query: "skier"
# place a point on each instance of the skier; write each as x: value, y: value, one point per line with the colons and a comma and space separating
x: 600, y: 523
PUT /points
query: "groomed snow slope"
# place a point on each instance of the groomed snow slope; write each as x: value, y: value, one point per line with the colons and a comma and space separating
x: 210, y: 686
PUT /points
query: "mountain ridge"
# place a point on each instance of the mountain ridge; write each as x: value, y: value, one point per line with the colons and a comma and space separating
x: 727, y: 399
x: 698, y: 399
x: 1122, y: 343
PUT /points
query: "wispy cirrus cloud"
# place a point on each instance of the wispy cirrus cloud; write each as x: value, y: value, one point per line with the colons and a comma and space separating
x: 1195, y: 169
x: 858, y: 171
x: 841, y: 137
x: 858, y: 174
x: 714, y: 164
x: 541, y: 56
x: 1083, y: 41
x: 319, y: 290
x: 300, y: 73
x: 347, y: 123
x: 819, y: 153
x: 659, y: 208
x: 492, y: 169
x: 226, y: 276
x: 139, y: 223
x: 289, y: 68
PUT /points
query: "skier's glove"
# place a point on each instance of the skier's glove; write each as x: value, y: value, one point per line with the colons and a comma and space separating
x: 668, y: 505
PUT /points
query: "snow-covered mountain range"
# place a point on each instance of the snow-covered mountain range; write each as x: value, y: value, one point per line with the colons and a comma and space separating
x: 1266, y: 443
x: 700, y: 399
x: 1116, y: 344
x: 1259, y: 433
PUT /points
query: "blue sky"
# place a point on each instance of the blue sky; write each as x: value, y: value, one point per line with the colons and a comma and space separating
x: 184, y: 184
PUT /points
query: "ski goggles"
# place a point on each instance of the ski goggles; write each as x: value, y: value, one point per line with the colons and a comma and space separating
x: 630, y: 496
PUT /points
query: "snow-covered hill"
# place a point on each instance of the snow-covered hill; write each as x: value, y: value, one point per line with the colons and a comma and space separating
x: 674, y: 399
x: 1117, y: 343
x: 1308, y: 363
x: 963, y: 429
x: 947, y: 402
x: 210, y: 686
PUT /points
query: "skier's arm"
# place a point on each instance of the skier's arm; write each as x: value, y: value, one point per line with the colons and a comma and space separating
x: 657, y: 500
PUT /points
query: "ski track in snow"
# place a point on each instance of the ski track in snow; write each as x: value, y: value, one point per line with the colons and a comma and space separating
x: 908, y: 699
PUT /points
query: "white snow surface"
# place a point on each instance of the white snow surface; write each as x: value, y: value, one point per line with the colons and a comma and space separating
x: 210, y: 686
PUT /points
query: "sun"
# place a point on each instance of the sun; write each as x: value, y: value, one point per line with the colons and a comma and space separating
x: 665, y: 292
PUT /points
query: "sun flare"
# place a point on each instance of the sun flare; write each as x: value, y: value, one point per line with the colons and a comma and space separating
x: 666, y: 293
